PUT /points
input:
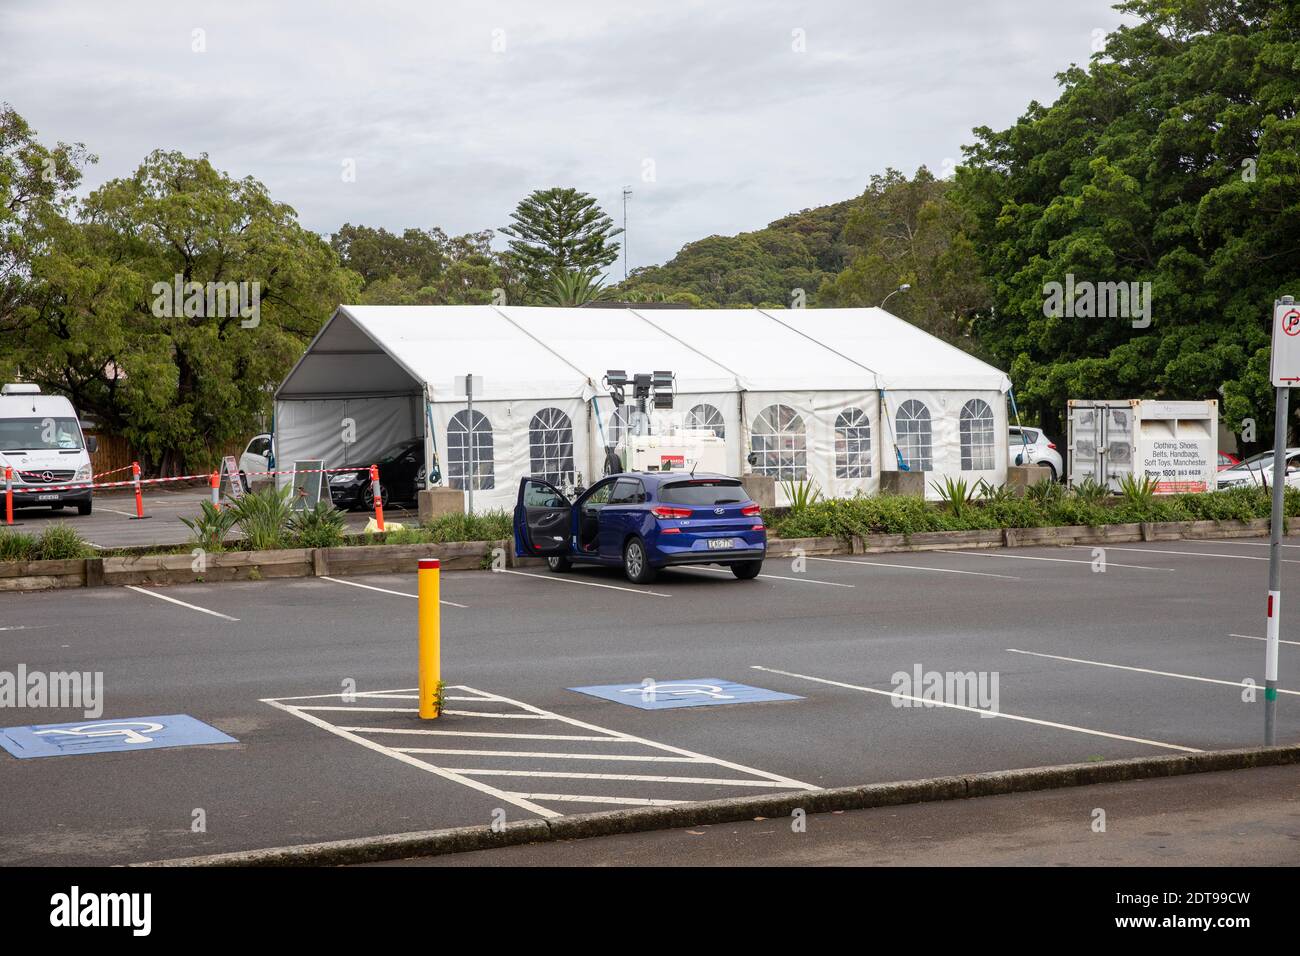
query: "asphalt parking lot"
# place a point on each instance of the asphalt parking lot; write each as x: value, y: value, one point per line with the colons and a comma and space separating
x: 113, y: 524
x: 1146, y: 658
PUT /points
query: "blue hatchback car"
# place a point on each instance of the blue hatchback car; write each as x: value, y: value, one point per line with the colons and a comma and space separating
x: 642, y: 522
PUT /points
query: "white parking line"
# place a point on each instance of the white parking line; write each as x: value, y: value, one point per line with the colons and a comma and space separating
x: 662, y: 755
x: 621, y: 801
x: 590, y: 584
x: 983, y: 713
x: 172, y: 600
x: 533, y: 754
x: 641, y: 777
x: 911, y: 567
x: 1255, y: 637
x: 476, y: 733
x: 1144, y: 670
x: 1026, y: 557
x: 777, y: 577
x: 1251, y: 544
x: 371, y: 587
x: 473, y: 784
x: 1190, y: 554
x: 125, y: 514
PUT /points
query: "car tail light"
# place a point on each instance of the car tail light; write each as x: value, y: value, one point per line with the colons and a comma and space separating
x: 1052, y: 445
x: 670, y: 530
x: 663, y: 511
x: 750, y: 510
x: 757, y: 527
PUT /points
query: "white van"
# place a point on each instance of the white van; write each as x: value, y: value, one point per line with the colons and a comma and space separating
x: 41, y: 440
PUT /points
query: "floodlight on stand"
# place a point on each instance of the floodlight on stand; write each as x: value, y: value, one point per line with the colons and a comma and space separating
x: 663, y: 399
x: 662, y: 380
x: 615, y: 378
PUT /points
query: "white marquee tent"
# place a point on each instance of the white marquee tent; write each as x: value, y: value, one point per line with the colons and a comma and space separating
x: 832, y: 395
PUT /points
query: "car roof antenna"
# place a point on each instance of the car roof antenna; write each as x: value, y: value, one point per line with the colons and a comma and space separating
x: 694, y: 466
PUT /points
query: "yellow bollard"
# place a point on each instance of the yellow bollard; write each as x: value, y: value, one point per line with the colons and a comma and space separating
x: 430, y: 637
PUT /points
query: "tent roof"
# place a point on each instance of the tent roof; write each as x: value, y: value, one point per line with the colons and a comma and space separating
x: 554, y: 353
x: 902, y: 355
x: 597, y: 340
x: 766, y: 356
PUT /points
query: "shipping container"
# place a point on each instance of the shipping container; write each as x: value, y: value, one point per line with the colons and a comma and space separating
x: 1176, y: 443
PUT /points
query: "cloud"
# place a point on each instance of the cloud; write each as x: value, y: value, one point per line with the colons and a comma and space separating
x: 744, y: 110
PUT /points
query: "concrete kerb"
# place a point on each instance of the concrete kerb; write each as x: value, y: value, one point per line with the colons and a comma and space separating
x: 582, y: 826
x: 466, y: 555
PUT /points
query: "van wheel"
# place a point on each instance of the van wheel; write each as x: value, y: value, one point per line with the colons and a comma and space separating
x: 747, y: 570
x: 636, y: 565
x: 83, y: 507
x: 559, y: 563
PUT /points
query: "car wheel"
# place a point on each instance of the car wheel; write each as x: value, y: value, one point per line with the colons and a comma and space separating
x: 559, y: 563
x: 636, y: 564
x: 747, y: 570
x: 83, y: 507
x: 1051, y: 470
x: 243, y: 480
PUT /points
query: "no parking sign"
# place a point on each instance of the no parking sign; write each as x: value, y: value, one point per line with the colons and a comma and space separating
x: 1286, y: 344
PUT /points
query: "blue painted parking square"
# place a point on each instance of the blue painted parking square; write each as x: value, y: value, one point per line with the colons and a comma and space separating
x: 106, y: 736
x: 692, y: 692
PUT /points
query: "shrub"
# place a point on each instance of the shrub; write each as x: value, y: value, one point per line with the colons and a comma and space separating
x: 801, y: 494
x: 1091, y: 491
x: 1045, y: 492
x: 1138, y: 491
x: 61, y: 542
x: 263, y: 517
x: 956, y: 494
x: 17, y: 546
x: 489, y: 525
x: 318, y: 527
x: 210, y: 528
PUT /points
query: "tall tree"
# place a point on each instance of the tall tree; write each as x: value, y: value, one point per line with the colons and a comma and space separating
x: 1171, y: 159
x: 178, y: 376
x: 424, y: 266
x: 36, y: 194
x: 909, y: 231
x: 559, y: 230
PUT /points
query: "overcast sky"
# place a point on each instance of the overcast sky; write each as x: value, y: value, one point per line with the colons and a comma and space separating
x: 721, y: 116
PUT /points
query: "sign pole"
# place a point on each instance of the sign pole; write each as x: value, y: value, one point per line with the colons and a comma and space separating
x: 1285, y: 370
x: 1275, y: 566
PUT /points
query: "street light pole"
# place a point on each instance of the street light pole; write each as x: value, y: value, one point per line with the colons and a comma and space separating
x: 627, y: 191
x: 902, y: 288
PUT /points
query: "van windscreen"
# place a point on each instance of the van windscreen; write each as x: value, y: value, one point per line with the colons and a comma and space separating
x: 703, y: 492
x: 35, y: 434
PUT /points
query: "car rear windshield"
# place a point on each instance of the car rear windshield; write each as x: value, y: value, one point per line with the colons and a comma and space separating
x: 703, y: 492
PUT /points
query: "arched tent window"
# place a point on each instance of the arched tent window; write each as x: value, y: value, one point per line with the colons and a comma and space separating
x: 912, y: 432
x: 469, y: 456
x: 706, y: 416
x: 550, y: 446
x: 780, y: 442
x: 978, y: 451
x: 852, y: 444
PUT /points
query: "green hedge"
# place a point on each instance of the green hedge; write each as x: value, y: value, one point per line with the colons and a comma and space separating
x: 896, y: 514
x: 55, y: 542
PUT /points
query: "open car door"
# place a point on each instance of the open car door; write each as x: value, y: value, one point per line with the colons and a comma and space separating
x: 543, y: 519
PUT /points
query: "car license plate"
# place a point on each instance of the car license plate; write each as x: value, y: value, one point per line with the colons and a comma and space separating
x: 721, y: 544
x: 47, y: 497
